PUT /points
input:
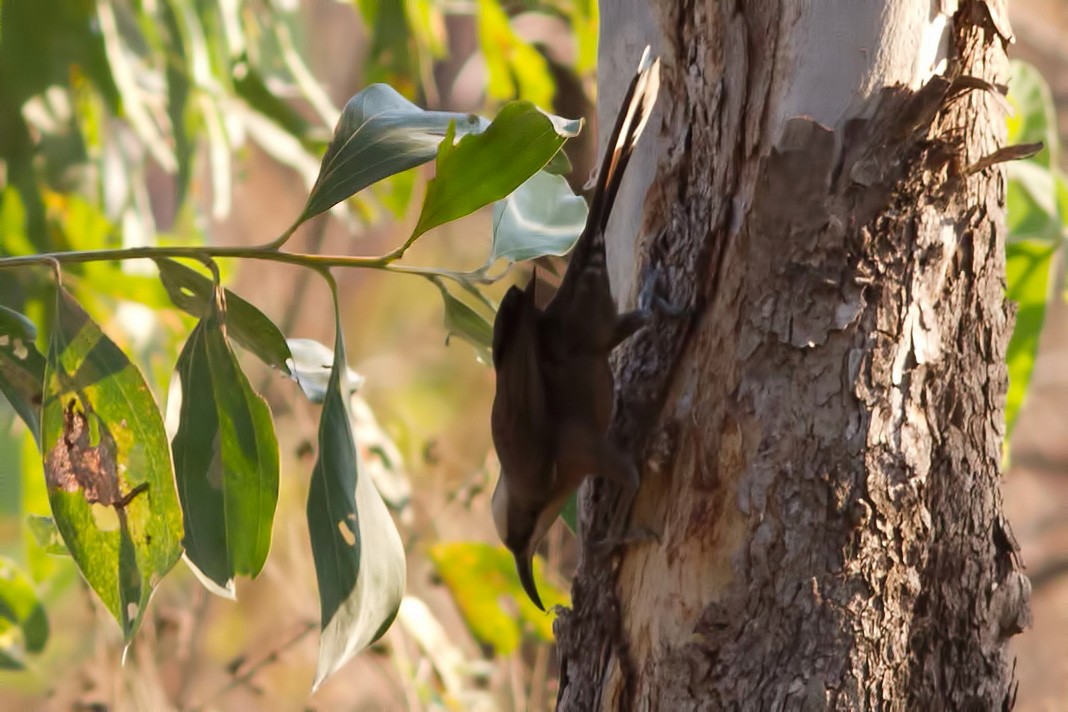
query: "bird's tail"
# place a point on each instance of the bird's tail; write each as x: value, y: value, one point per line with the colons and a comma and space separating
x: 634, y: 114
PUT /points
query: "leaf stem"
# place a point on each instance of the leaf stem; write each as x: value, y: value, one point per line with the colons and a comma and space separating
x: 269, y: 252
x: 201, y: 254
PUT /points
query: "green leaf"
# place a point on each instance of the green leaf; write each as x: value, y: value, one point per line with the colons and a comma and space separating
x: 1035, y: 118
x: 225, y: 460
x: 516, y: 69
x: 485, y: 167
x: 468, y: 324
x: 479, y: 575
x: 558, y: 165
x: 131, y: 77
x: 46, y: 534
x: 250, y: 86
x: 542, y: 217
x: 107, y: 466
x: 380, y: 133
x: 23, y: 622
x: 1027, y: 269
x: 359, y: 557
x: 1061, y: 190
x: 570, y: 513
x: 179, y: 100
x: 192, y: 292
x: 16, y: 325
x: 1031, y: 208
x: 22, y: 368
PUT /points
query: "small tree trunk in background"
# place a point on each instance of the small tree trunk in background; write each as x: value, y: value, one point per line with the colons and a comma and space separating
x: 820, y: 441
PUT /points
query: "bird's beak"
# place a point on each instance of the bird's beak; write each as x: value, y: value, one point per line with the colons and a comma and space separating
x: 524, y: 564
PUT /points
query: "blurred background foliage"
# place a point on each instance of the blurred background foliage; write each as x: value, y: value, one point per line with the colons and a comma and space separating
x: 174, y: 122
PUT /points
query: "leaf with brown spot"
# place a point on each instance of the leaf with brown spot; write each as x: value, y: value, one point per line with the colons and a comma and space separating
x: 107, y: 466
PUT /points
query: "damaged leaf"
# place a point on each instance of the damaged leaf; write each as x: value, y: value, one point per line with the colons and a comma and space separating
x: 107, y: 466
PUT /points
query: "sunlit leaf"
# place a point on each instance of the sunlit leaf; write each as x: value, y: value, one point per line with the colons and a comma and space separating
x: 311, y: 364
x: 380, y: 133
x: 359, y: 557
x: 485, y: 167
x: 192, y: 292
x: 542, y: 217
x: 1062, y: 196
x: 46, y: 534
x: 1027, y: 269
x: 108, y: 466
x: 23, y: 623
x: 225, y: 459
x: 129, y: 77
x: 585, y: 21
x: 1031, y: 202
x: 22, y: 368
x: 1035, y: 117
x: 479, y: 576
x: 399, y: 31
x: 516, y: 69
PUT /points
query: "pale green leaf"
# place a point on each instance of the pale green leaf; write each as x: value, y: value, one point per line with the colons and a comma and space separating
x: 542, y: 217
x: 359, y: 556
x: 1031, y: 210
x: 1027, y: 270
x: 1035, y: 117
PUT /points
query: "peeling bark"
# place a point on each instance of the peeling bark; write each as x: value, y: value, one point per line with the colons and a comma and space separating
x: 821, y: 438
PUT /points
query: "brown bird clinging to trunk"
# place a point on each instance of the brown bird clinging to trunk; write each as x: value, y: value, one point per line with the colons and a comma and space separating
x: 555, y: 390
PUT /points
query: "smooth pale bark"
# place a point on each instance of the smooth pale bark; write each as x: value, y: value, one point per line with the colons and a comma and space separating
x: 820, y: 440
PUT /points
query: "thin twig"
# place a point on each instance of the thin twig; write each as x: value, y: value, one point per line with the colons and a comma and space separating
x: 245, y: 677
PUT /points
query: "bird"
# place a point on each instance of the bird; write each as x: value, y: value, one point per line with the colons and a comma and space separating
x: 554, y: 385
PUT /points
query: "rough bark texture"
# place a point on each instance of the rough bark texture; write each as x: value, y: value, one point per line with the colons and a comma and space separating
x: 821, y: 438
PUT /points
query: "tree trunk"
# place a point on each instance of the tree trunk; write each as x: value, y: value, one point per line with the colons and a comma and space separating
x: 820, y: 438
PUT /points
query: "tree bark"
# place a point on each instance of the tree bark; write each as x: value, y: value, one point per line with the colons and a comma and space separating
x: 820, y: 438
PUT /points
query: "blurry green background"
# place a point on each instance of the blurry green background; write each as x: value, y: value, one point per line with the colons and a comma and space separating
x: 182, y: 122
